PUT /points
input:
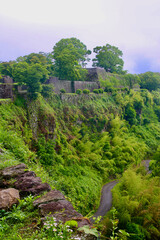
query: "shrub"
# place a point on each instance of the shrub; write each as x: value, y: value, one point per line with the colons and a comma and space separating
x: 79, y: 91
x: 63, y: 90
x: 110, y: 89
x: 86, y: 91
x: 100, y: 90
x: 47, y: 90
x: 96, y: 91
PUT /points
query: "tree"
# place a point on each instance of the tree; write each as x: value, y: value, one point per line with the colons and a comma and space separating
x: 69, y: 57
x: 131, y: 79
x: 30, y: 75
x: 42, y: 58
x: 109, y: 58
x: 6, y: 68
x: 150, y: 81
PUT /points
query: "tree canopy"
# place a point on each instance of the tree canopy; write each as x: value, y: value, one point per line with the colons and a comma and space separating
x: 70, y: 55
x: 30, y: 75
x: 150, y: 80
x: 108, y: 57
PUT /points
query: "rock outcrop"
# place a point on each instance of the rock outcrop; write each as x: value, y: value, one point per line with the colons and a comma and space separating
x: 28, y: 183
x: 8, y: 197
x: 25, y: 182
x: 14, y: 171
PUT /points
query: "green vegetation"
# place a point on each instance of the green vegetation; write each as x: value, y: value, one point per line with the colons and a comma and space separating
x: 150, y: 81
x: 136, y: 199
x: 108, y: 57
x: 95, y: 140
x: 79, y: 91
x: 70, y: 55
x: 31, y: 75
x: 79, y: 144
x: 62, y: 90
x: 86, y: 91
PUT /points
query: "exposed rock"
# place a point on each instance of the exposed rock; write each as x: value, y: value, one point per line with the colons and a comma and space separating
x: 51, y: 196
x: 8, y: 197
x: 27, y: 174
x: 66, y: 215
x: 83, y: 221
x: 52, y: 207
x: 13, y: 171
x: 28, y: 183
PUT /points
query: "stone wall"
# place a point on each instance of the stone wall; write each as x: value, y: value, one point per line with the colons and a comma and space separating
x: 59, y: 84
x: 92, y: 82
x: 6, y: 87
x: 94, y: 74
x: 86, y: 85
x: 71, y: 86
x: 6, y: 79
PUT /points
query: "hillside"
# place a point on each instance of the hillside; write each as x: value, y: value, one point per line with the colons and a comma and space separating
x: 77, y: 143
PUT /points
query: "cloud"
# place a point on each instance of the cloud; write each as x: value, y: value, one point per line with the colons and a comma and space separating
x: 35, y: 25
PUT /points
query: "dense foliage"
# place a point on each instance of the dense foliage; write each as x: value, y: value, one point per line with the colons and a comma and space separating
x: 69, y: 56
x: 78, y: 142
x: 108, y: 57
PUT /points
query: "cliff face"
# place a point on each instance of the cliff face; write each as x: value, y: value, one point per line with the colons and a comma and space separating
x: 77, y: 142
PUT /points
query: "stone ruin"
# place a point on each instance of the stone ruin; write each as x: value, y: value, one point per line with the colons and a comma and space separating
x: 6, y: 87
x: 92, y: 82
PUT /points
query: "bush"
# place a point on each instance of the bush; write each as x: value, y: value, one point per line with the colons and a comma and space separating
x: 63, y: 90
x: 110, y: 89
x: 86, y: 91
x: 47, y: 90
x: 79, y: 91
x: 100, y: 90
x: 96, y: 91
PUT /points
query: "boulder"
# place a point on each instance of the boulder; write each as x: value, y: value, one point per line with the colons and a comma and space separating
x: 14, y: 171
x: 8, y: 197
x: 57, y: 206
x: 66, y: 215
x: 83, y: 221
x: 28, y: 183
x: 51, y: 196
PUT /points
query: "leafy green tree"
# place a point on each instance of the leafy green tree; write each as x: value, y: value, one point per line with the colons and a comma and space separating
x: 42, y: 58
x: 130, y: 114
x: 109, y: 58
x: 30, y: 75
x: 6, y: 68
x: 150, y: 81
x: 131, y: 79
x: 70, y: 56
x: 47, y: 90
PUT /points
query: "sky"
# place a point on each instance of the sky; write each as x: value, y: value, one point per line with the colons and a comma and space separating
x: 28, y: 26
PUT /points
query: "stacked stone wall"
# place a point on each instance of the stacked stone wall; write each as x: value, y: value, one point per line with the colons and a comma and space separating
x: 86, y: 85
x: 59, y: 84
x: 6, y: 87
x: 71, y: 86
x: 94, y: 74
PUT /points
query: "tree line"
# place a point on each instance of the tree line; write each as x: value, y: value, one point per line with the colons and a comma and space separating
x: 67, y: 61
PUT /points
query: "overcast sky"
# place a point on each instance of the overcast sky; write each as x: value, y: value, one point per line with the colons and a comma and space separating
x: 28, y: 26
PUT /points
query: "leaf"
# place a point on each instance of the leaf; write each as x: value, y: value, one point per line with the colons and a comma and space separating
x: 87, y: 230
x: 124, y: 233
